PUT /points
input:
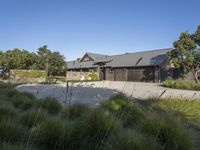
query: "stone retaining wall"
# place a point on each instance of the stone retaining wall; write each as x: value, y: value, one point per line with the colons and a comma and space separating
x: 75, y: 75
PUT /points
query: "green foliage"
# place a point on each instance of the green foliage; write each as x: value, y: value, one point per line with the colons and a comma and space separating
x: 131, y: 140
x: 6, y: 85
x: 49, y: 135
x: 9, y: 146
x: 182, y: 84
x: 75, y: 111
x: 56, y: 63
x: 182, y: 56
x: 124, y: 109
x: 7, y: 112
x: 168, y: 132
x: 32, y: 118
x: 119, y: 123
x: 23, y: 101
x: 24, y: 60
x: 186, y: 109
x: 51, y: 105
x: 17, y: 59
x: 96, y: 127
x: 185, y: 55
x: 93, y: 76
x: 30, y: 73
x: 10, y: 132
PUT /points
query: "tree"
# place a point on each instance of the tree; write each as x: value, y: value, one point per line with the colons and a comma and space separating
x: 23, y: 59
x: 17, y: 59
x: 56, y: 62
x: 185, y: 54
x: 43, y: 54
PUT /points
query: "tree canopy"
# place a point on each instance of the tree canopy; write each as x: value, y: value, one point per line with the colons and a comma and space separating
x: 186, y: 55
x: 23, y: 59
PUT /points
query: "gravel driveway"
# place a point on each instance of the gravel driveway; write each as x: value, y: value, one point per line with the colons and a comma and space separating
x: 93, y: 93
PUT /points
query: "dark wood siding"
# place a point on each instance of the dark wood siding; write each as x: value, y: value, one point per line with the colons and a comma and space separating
x: 120, y: 74
x: 109, y: 74
x: 145, y: 74
x: 137, y: 74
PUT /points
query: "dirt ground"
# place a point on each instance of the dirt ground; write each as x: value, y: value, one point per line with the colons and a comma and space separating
x: 93, y: 93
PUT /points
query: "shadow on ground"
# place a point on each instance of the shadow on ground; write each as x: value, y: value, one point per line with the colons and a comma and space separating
x: 89, y: 95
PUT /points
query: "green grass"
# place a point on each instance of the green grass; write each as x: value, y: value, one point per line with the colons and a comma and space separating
x: 118, y: 123
x: 182, y: 84
x: 94, y: 76
x: 131, y: 140
x: 30, y: 73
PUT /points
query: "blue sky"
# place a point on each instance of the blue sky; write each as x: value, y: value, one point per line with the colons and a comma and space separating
x: 74, y: 27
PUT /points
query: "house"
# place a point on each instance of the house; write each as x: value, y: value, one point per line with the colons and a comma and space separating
x: 146, y: 66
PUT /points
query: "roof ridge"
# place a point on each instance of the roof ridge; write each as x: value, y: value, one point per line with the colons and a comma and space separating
x: 146, y: 51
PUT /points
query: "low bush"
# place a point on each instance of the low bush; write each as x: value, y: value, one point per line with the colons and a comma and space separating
x: 23, y: 102
x: 131, y: 140
x: 124, y: 109
x: 49, y: 135
x: 6, y: 85
x: 18, y: 146
x: 182, y: 84
x: 75, y: 111
x: 96, y: 127
x: 186, y: 109
x: 32, y: 118
x: 11, y: 132
x: 29, y: 73
x: 7, y: 112
x: 51, y: 105
x: 168, y: 132
x: 119, y: 123
x: 93, y: 76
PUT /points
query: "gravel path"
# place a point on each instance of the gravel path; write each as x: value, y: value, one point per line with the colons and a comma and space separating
x: 93, y: 93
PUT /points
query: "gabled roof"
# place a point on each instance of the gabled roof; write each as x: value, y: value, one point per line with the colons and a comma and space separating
x: 145, y: 58
x: 93, y: 56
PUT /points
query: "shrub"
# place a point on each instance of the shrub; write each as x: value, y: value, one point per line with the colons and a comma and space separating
x: 6, y: 85
x: 10, y: 132
x: 186, y: 109
x: 51, y: 105
x: 73, y: 137
x: 96, y: 127
x: 7, y: 112
x: 30, y: 73
x: 168, y: 132
x: 32, y: 118
x: 11, y: 93
x: 124, y: 109
x: 49, y: 135
x: 75, y: 111
x: 131, y: 140
x: 93, y: 76
x: 23, y: 101
x: 11, y: 146
x: 182, y: 84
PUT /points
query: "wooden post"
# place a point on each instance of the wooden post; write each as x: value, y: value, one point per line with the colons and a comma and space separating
x: 99, y: 72
x: 46, y: 70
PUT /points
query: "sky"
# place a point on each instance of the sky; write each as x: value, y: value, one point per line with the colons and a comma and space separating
x: 110, y: 27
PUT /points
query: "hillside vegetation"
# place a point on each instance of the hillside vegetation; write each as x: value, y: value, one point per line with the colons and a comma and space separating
x: 117, y: 124
x: 182, y: 84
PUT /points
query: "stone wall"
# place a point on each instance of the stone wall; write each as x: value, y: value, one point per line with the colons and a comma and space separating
x: 27, y: 76
x: 75, y: 75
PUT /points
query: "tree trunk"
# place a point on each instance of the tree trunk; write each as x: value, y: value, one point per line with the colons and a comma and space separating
x: 194, y: 72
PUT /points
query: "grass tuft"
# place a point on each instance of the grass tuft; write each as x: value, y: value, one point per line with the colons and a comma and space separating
x: 182, y: 84
x: 51, y: 105
x: 131, y: 140
x: 75, y: 111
